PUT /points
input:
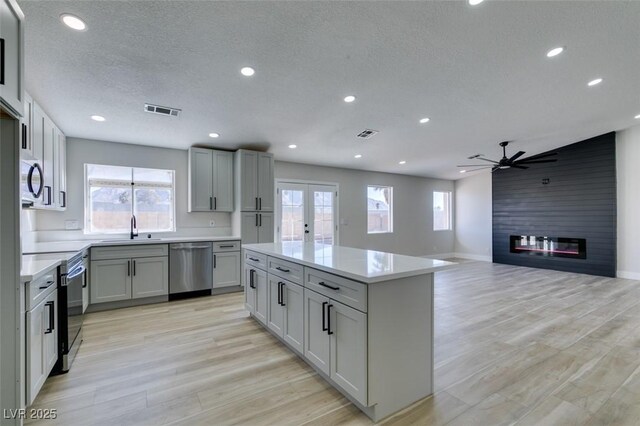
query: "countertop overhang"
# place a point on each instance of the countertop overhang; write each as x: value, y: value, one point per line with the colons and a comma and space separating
x: 367, y: 266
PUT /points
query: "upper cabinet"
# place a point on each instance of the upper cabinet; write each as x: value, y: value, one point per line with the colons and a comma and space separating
x: 254, y: 180
x: 210, y: 180
x: 11, y: 56
x: 43, y: 141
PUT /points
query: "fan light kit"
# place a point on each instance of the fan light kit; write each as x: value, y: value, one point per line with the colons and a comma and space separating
x: 509, y: 162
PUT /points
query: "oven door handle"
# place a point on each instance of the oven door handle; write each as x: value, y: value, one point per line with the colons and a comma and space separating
x: 76, y: 272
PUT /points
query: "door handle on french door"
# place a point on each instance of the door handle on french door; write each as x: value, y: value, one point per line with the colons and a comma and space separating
x: 329, y: 332
x: 324, y: 318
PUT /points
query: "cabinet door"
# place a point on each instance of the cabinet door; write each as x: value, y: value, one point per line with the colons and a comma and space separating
x: 262, y: 296
x: 349, y: 349
x: 316, y: 337
x: 248, y: 180
x: 223, y: 181
x: 266, y: 196
x: 11, y: 33
x: 265, y: 228
x: 51, y: 333
x: 293, y: 300
x: 27, y: 121
x: 200, y: 180
x: 275, y: 318
x: 37, y: 132
x: 110, y: 280
x: 226, y: 269
x: 249, y: 228
x: 150, y: 276
x: 37, y: 320
x: 57, y: 197
x: 48, y: 162
x: 62, y: 170
x: 249, y: 290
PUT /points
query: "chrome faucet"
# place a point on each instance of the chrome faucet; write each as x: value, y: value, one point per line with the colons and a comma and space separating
x: 134, y: 226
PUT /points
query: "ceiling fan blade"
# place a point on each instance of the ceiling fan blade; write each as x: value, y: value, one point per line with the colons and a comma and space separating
x: 519, y: 167
x: 495, y: 168
x: 525, y: 161
x: 486, y: 159
x: 543, y: 155
x: 474, y: 165
x: 516, y: 156
x: 480, y: 168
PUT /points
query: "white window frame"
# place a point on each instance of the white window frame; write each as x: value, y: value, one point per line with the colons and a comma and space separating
x: 390, y: 231
x: 126, y: 184
x: 449, y: 207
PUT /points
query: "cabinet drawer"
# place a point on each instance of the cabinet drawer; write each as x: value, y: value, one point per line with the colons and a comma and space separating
x: 256, y: 260
x: 39, y: 289
x: 128, y: 251
x: 290, y: 271
x: 221, y: 246
x: 349, y: 292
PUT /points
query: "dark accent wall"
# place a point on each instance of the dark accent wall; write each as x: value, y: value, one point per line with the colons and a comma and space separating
x: 579, y: 201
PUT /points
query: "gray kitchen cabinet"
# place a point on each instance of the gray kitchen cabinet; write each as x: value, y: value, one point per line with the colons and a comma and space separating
x: 256, y: 227
x: 210, y: 180
x: 226, y: 269
x: 256, y: 293
x: 317, y: 341
x: 110, y: 280
x: 48, y: 160
x: 12, y: 47
x: 37, y: 132
x: 255, y: 180
x: 348, y: 367
x: 26, y: 140
x: 149, y: 276
x: 60, y: 170
x: 266, y: 198
x: 42, y: 343
x: 286, y: 311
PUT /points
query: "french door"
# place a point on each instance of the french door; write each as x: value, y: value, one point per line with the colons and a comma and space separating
x: 307, y: 212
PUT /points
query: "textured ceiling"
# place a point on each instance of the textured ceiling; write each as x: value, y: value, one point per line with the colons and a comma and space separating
x: 480, y: 73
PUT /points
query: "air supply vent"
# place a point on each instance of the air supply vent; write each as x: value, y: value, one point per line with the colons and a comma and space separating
x: 366, y: 134
x: 157, y: 109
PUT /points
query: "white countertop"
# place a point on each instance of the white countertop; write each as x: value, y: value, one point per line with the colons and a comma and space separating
x: 34, y: 267
x: 76, y: 246
x: 367, y: 266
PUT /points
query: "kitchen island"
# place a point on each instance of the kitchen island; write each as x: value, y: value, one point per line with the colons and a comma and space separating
x: 363, y: 319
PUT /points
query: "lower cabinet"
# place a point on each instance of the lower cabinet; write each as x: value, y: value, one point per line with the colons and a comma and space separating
x: 123, y: 279
x: 226, y: 269
x: 41, y: 344
x: 336, y: 342
x: 256, y: 297
x: 285, y: 313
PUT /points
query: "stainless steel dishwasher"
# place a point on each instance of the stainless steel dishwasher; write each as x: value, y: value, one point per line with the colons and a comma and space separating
x: 190, y: 270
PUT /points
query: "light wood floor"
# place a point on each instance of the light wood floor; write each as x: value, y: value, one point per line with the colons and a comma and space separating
x: 513, y: 345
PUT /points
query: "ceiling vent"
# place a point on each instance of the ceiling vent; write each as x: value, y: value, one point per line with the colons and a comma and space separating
x: 157, y: 109
x: 366, y: 134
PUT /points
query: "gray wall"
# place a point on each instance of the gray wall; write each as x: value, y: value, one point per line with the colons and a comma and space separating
x: 473, y: 233
x: 412, y: 208
x: 628, y: 176
x: 50, y: 225
x: 579, y: 202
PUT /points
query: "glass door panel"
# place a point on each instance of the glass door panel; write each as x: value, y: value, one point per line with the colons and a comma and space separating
x: 323, y: 213
x: 307, y: 212
x: 292, y: 206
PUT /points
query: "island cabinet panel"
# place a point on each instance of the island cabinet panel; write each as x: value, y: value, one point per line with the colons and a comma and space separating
x: 317, y: 342
x: 256, y: 295
x: 287, y: 270
x: 285, y: 314
x: 249, y: 289
x: 276, y: 313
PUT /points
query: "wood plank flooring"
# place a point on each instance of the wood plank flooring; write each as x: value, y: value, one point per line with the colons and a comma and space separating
x: 513, y: 346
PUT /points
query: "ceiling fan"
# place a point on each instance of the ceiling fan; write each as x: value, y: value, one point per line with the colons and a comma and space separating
x: 507, y: 163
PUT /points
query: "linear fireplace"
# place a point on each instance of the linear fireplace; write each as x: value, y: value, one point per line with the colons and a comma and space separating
x: 548, y: 246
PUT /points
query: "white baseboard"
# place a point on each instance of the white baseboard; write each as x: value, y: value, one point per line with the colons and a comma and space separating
x: 628, y: 275
x: 474, y: 257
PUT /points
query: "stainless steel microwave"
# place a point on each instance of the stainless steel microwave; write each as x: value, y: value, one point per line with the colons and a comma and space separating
x: 31, y: 181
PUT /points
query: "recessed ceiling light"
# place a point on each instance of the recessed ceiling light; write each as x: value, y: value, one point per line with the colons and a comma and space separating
x: 357, y: 156
x: 98, y: 118
x: 349, y: 99
x: 247, y: 71
x: 73, y: 22
x: 463, y: 171
x: 594, y: 82
x: 402, y: 162
x: 214, y: 135
x: 637, y: 116
x: 293, y: 146
x: 475, y: 2
x: 424, y: 120
x: 555, y: 52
